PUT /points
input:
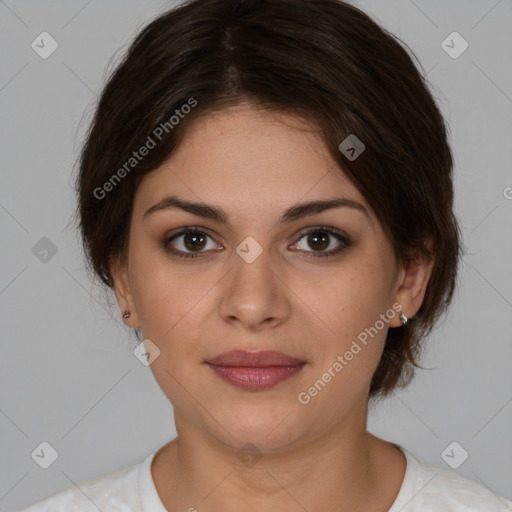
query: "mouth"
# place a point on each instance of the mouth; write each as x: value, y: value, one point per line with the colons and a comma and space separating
x: 255, y: 370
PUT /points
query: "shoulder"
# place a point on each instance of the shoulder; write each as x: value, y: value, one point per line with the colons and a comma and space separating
x: 117, y: 491
x: 428, y: 487
x: 448, y: 490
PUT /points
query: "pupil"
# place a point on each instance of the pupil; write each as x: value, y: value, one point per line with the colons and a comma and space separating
x: 195, y: 239
x: 315, y: 238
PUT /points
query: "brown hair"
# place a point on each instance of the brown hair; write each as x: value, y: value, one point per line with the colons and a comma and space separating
x: 323, y: 60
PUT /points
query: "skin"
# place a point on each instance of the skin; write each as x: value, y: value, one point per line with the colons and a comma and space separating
x: 254, y: 164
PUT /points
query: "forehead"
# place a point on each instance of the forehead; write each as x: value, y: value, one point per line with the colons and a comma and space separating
x: 250, y: 159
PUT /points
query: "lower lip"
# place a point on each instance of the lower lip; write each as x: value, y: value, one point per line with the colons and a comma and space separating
x: 255, y: 378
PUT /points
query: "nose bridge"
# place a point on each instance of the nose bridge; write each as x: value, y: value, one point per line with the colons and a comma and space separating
x: 254, y: 294
x: 252, y: 278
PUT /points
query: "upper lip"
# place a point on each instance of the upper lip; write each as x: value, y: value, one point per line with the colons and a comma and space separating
x: 261, y: 358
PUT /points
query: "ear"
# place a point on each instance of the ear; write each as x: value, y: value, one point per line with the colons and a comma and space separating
x: 123, y: 291
x: 413, y: 279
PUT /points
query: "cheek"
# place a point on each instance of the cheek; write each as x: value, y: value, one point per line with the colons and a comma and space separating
x: 161, y: 293
x: 354, y: 296
x: 349, y: 315
x: 170, y: 301
x: 166, y: 309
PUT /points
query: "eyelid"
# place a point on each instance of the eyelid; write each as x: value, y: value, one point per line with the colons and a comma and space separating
x: 185, y: 230
x: 343, y: 238
x: 328, y: 229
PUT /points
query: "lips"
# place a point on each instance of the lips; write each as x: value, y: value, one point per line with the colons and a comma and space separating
x: 255, y: 370
x: 262, y: 359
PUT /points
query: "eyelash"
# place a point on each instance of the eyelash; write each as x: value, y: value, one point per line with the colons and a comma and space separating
x: 346, y: 242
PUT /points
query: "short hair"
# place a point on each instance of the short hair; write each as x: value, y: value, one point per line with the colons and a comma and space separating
x: 323, y: 60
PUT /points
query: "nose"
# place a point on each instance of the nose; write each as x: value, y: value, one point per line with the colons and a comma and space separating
x: 255, y: 296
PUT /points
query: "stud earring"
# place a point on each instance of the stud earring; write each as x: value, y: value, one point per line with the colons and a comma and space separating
x: 126, y: 314
x: 403, y: 319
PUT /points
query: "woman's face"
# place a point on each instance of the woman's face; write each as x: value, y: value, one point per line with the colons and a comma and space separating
x: 257, y: 281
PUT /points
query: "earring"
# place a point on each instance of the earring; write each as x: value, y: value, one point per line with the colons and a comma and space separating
x: 126, y: 314
x: 403, y: 319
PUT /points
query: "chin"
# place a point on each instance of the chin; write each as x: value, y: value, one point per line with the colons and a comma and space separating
x: 270, y: 428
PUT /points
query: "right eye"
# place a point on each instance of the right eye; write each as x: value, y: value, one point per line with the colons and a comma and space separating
x: 190, y: 241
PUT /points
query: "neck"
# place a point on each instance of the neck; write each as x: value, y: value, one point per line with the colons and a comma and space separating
x: 344, y: 469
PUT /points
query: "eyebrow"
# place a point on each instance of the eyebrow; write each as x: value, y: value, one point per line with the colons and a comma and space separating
x: 296, y: 212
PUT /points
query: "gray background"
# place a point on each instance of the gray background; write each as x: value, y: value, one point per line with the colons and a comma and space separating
x: 68, y: 375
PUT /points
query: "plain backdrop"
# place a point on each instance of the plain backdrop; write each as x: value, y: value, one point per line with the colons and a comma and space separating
x: 68, y: 374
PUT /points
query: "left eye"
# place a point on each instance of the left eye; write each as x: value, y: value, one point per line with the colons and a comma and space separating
x: 321, y: 239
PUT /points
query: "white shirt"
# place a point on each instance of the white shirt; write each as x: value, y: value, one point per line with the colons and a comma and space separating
x: 425, y: 488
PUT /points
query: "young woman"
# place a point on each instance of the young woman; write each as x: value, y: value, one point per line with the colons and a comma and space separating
x: 267, y: 186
